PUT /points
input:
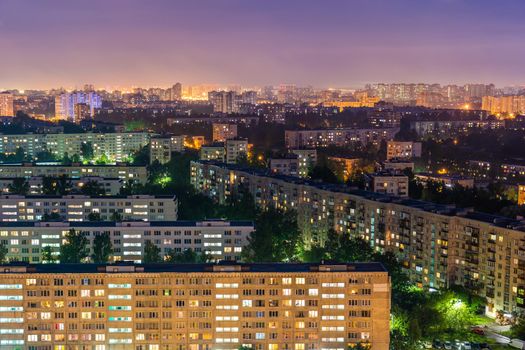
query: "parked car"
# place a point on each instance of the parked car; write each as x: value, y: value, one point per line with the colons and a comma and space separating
x: 466, y: 346
x: 437, y: 344
x: 478, y: 330
x: 447, y: 345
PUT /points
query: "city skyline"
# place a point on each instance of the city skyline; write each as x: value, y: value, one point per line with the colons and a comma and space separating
x: 334, y: 44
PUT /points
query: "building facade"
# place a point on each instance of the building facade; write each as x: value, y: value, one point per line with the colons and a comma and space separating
x: 191, y: 307
x: 66, y: 103
x: 403, y: 150
x: 160, y: 149
x: 133, y: 173
x: 110, y: 186
x: 6, y: 105
x: 116, y: 147
x: 15, y: 208
x: 223, y: 132
x: 337, y: 137
x: 218, y: 239
x: 439, y: 246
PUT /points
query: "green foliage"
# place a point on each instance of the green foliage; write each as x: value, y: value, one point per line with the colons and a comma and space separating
x: 56, y: 185
x: 19, y: 186
x: 93, y: 188
x: 102, y: 248
x: 94, y: 217
x: 3, y: 253
x: 75, y: 249
x: 54, y: 216
x: 275, y: 238
x: 141, y: 157
x: 188, y: 256
x: 45, y: 156
x: 324, y: 174
x: 151, y: 253
x: 47, y: 255
x: 86, y: 151
x: 116, y: 216
x: 518, y: 328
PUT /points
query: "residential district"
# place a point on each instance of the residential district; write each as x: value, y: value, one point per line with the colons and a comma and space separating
x: 222, y: 217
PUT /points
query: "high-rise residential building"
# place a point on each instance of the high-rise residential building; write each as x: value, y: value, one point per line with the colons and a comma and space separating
x: 134, y: 173
x: 479, y: 90
x: 160, y: 149
x: 82, y: 112
x: 235, y: 148
x: 65, y: 104
x: 438, y: 245
x: 114, y: 146
x: 195, y: 306
x: 337, y: 137
x: 217, y: 239
x: 222, y: 101
x: 223, y: 132
x: 504, y: 105
x: 176, y: 92
x: 6, y: 105
x: 79, y: 207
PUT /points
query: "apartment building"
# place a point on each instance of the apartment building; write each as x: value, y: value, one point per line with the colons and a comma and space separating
x: 223, y: 132
x: 337, y: 137
x: 116, y: 146
x: 15, y: 208
x: 215, y: 151
x: 438, y: 245
x: 307, y: 160
x: 218, y: 239
x: 111, y: 186
x: 389, y: 184
x: 194, y: 306
x: 160, y: 149
x: 403, y: 150
x: 286, y: 166
x: 124, y: 172
x: 235, y: 148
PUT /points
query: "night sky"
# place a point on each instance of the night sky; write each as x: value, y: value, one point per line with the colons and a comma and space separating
x: 324, y: 43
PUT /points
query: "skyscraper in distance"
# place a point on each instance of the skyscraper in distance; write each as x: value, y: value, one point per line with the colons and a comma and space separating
x: 6, y: 105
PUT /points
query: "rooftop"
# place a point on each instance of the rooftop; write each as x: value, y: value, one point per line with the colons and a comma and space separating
x: 224, y: 267
x: 138, y: 223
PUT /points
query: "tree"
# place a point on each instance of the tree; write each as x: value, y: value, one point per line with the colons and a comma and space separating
x: 3, y: 253
x: 45, y: 156
x: 95, y: 217
x: 56, y: 185
x: 93, y: 188
x: 151, y: 253
x: 116, y: 216
x: 19, y: 186
x: 324, y: 174
x: 75, y: 249
x: 47, y: 255
x: 54, y: 216
x: 86, y: 151
x: 102, y: 248
x: 275, y: 239
x: 188, y: 256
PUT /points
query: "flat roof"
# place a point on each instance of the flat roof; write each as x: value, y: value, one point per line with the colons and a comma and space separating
x: 128, y: 223
x: 83, y: 196
x: 223, y: 267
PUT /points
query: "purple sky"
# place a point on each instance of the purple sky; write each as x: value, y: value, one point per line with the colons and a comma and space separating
x: 324, y: 43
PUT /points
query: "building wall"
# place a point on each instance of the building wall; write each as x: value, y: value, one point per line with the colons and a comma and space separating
x: 6, y: 105
x: 337, y: 137
x: 210, y: 307
x: 78, y: 207
x: 28, y: 170
x: 221, y: 240
x: 116, y: 146
x: 160, y: 149
x: 111, y: 186
x: 437, y: 245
